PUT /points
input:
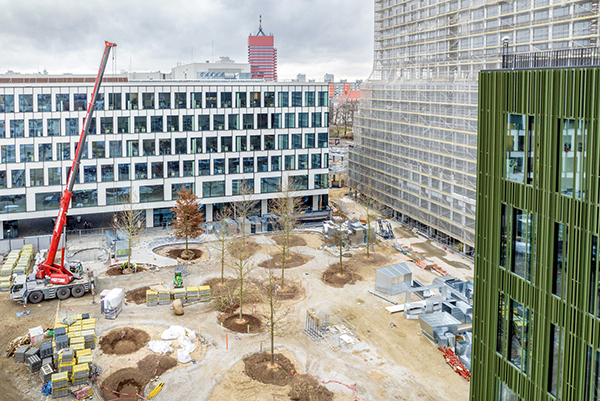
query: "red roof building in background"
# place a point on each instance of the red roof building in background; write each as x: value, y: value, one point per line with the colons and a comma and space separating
x: 262, y: 55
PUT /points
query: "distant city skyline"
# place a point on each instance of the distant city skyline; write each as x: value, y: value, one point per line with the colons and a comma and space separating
x: 312, y: 37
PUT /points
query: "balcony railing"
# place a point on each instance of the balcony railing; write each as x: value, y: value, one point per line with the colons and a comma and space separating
x: 582, y: 57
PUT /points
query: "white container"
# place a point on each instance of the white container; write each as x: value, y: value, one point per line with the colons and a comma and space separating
x: 36, y: 334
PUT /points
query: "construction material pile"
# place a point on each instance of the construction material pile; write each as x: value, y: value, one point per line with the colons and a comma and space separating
x: 186, y: 295
x: 16, y: 263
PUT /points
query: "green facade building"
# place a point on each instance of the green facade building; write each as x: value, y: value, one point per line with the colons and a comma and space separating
x: 537, y: 302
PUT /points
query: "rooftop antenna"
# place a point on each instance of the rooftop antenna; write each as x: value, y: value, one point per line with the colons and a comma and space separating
x: 260, y: 31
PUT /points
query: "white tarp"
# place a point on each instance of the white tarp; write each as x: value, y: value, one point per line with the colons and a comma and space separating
x: 185, y: 337
x: 36, y: 334
x: 114, y: 299
x: 160, y: 347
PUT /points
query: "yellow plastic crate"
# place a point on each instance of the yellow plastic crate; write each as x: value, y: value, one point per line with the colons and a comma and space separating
x: 83, y: 352
x: 84, y: 358
x: 76, y: 340
x: 81, y: 368
x: 57, y: 377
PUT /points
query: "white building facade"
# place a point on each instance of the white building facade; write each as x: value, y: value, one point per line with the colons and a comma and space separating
x: 149, y: 138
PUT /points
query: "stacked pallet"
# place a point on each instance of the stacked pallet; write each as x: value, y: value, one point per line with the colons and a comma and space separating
x: 179, y: 293
x: 81, y: 373
x: 164, y: 297
x: 24, y: 261
x: 60, y: 384
x: 84, y: 356
x: 204, y: 293
x: 46, y: 373
x: 192, y: 294
x: 151, y: 298
x: 6, y: 271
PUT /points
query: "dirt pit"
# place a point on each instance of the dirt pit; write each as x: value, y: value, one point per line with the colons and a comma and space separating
x: 138, y: 296
x: 123, y: 340
x: 293, y: 260
x: 294, y: 240
x: 248, y: 323
x: 333, y: 277
x: 115, y: 270
x: 126, y: 384
x: 180, y: 254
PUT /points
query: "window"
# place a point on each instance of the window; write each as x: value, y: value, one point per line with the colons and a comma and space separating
x: 173, y: 168
x: 106, y: 125
x: 275, y: 163
x: 181, y: 146
x: 158, y: 169
x: 315, y: 160
x: 37, y: 177
x: 290, y: 162
x: 124, y: 172
x: 218, y: 166
x: 283, y: 141
x: 35, y: 128
x: 290, y: 120
x: 176, y: 188
x: 204, y: 122
x: 556, y: 360
x: 131, y: 100
x: 309, y: 141
x: 148, y: 101
x: 2, y: 129
x: 592, y: 375
x: 213, y: 189
x: 211, y: 144
x: 242, y: 187
x: 262, y: 121
x: 164, y: 147
x: 269, y: 99
x: 296, y: 99
x: 79, y: 102
x: 572, y: 158
x: 54, y: 176
x: 25, y: 103
x: 211, y: 100
x: 141, y: 171
x: 254, y: 142
x: 114, y: 101
x: 63, y: 151
x: 204, y: 167
x: 180, y: 100
x: 284, y: 99
x: 188, y: 123
x: 302, y: 162
x: 85, y: 198
x: 3, y: 184
x: 226, y: 100
x: 523, y: 243
x: 99, y: 102
x: 298, y: 182
x: 323, y: 99
x: 316, y: 120
x: 309, y: 99
x: 188, y: 168
x: 240, y: 99
x: 148, y: 147
x: 234, y: 121
x: 90, y: 174
x: 7, y: 103
x: 98, y: 150
x: 500, y: 347
x: 269, y: 141
x: 248, y: 121
x: 156, y: 123
x: 92, y: 127
x: 133, y: 148
x: 12, y: 203
x: 117, y: 196
x: 123, y: 125
x: 561, y: 243
x: 296, y: 141
x: 140, y: 124
x: 234, y: 165
x: 520, y: 349
x: 248, y: 164
x: 219, y: 122
x: 18, y: 178
x: 107, y: 172
x: 519, y: 157
x: 17, y: 129
x: 594, y: 279
x: 321, y: 181
x: 323, y: 140
x: 226, y: 144
x: 26, y: 153
x: 262, y: 164
x: 325, y: 160
x: 152, y: 193
x: 254, y: 99
x: 276, y: 121
x: 270, y: 184
x: 172, y: 123
x: 45, y: 152
x: 7, y: 153
x: 506, y: 394
x: 72, y: 126
x: 44, y: 102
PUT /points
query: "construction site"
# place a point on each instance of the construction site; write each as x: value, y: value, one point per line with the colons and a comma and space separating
x: 394, y: 326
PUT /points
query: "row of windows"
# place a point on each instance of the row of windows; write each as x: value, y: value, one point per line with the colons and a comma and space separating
x: 155, y: 193
x: 161, y: 147
x: 45, y: 102
x: 161, y: 169
x: 34, y: 127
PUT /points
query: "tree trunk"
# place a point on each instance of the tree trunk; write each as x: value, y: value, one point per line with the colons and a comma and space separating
x: 283, y: 255
x: 272, y: 330
x: 186, y: 244
x: 241, y: 293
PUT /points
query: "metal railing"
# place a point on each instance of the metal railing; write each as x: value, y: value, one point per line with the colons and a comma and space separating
x: 583, y: 57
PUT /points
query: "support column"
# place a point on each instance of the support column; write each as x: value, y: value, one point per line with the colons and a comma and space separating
x: 149, y: 218
x: 315, y: 203
x: 208, y: 208
x: 263, y: 207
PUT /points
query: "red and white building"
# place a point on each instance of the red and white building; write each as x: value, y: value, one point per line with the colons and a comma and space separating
x: 262, y: 55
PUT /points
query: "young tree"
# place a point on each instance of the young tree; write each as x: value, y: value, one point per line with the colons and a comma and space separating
x: 129, y: 222
x: 242, y: 266
x: 246, y: 205
x: 222, y: 234
x: 369, y: 215
x: 188, y: 219
x: 287, y: 207
x: 339, y: 237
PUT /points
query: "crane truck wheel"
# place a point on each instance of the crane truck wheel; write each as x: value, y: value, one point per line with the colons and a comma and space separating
x: 78, y: 291
x: 36, y: 297
x: 63, y: 293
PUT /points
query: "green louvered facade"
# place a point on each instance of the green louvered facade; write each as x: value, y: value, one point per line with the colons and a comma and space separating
x: 536, y: 315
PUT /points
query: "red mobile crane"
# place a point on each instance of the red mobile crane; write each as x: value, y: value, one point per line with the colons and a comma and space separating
x: 58, y: 274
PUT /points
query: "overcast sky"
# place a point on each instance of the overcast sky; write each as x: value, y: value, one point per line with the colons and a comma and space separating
x: 311, y: 36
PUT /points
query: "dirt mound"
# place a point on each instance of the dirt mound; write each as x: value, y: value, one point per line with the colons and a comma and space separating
x: 242, y: 248
x: 126, y: 383
x: 180, y: 254
x: 333, y: 277
x: 117, y: 271
x: 257, y: 367
x: 233, y: 323
x: 123, y: 340
x: 292, y: 289
x: 294, y: 240
x: 293, y: 260
x: 306, y: 388
x: 138, y: 295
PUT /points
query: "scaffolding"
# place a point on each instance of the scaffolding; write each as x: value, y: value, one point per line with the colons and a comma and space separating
x: 416, y: 129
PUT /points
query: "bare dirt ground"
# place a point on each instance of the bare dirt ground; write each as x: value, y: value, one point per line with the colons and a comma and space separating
x: 386, y: 364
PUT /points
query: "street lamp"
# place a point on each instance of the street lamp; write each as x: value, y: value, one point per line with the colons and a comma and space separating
x: 505, y: 40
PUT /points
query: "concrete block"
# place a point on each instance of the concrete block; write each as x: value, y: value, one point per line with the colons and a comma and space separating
x: 45, y: 349
x: 67, y: 355
x: 60, y: 331
x: 48, y: 361
x: 34, y: 363
x: 31, y: 352
x: 20, y: 353
x: 46, y: 373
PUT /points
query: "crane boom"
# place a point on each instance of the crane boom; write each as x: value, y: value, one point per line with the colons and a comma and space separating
x: 57, y: 273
